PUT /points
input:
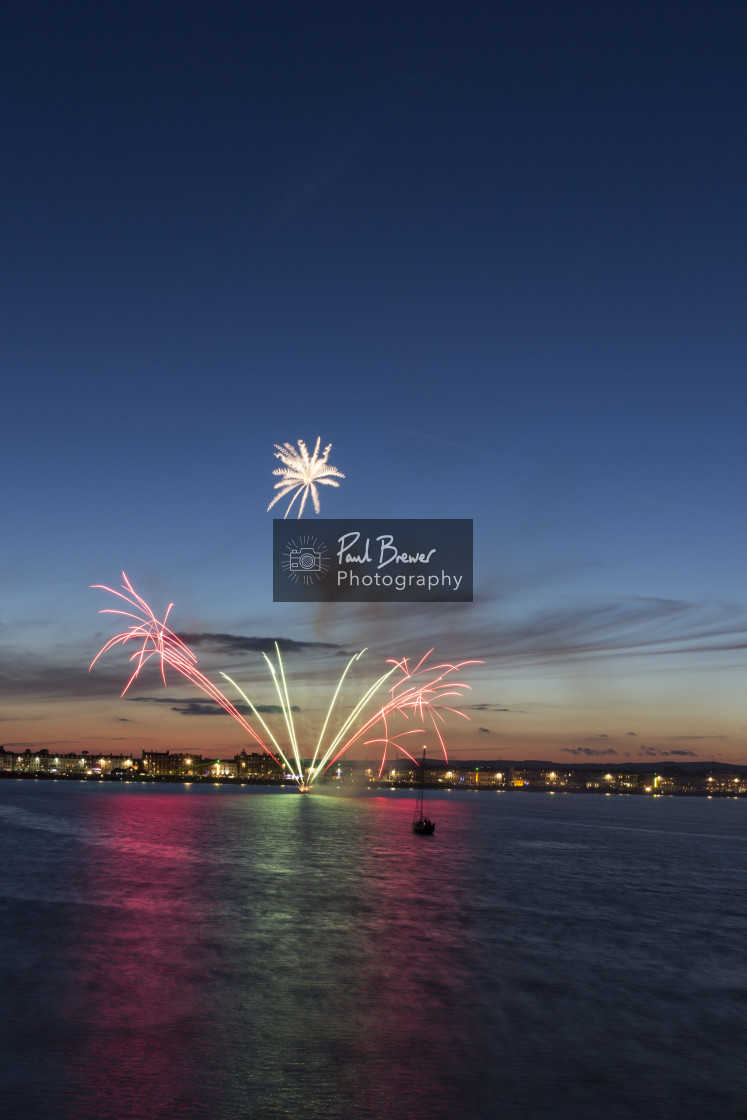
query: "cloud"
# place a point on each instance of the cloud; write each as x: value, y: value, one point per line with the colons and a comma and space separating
x: 486, y: 730
x: 487, y: 708
x: 585, y: 628
x: 435, y: 439
x: 651, y: 752
x: 632, y: 733
x: 66, y: 677
x: 576, y: 629
x: 205, y: 708
x: 588, y: 751
x: 675, y: 738
x: 238, y: 643
x: 40, y: 743
x: 22, y: 676
x: 199, y: 706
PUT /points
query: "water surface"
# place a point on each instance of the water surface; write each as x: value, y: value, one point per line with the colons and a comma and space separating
x: 216, y: 953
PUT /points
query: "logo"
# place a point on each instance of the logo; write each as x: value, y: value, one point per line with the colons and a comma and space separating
x: 374, y: 560
x: 305, y: 560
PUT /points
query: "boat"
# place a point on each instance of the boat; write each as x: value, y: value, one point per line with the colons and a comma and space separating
x: 420, y: 823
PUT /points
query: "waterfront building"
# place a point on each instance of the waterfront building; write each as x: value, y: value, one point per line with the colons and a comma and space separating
x: 258, y: 767
x: 163, y: 764
x: 45, y: 762
x: 220, y: 769
x: 711, y: 779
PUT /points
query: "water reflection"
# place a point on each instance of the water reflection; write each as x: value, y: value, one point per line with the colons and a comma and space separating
x: 133, y: 1014
x: 213, y: 953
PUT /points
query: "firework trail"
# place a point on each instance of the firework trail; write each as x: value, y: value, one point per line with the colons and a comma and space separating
x: 418, y: 692
x: 301, y: 473
x: 421, y: 691
x: 155, y: 639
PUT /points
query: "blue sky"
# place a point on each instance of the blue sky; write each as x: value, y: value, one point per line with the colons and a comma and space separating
x: 493, y: 253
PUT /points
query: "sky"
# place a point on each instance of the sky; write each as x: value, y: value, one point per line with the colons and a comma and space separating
x: 492, y: 252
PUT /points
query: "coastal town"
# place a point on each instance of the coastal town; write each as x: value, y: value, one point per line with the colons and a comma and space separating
x: 657, y: 779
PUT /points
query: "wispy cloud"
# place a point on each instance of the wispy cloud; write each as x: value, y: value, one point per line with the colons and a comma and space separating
x: 74, y: 744
x: 239, y: 643
x: 575, y: 629
x: 64, y: 675
x: 584, y: 628
x: 199, y: 706
x: 39, y: 744
x: 588, y: 751
x: 655, y: 752
x: 434, y: 439
x: 487, y: 708
x: 707, y: 737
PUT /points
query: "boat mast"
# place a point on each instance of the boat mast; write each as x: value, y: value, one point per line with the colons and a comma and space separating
x: 422, y: 785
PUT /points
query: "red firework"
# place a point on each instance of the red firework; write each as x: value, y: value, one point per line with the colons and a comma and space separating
x: 419, y: 692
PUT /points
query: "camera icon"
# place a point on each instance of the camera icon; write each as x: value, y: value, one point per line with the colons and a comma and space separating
x: 305, y: 559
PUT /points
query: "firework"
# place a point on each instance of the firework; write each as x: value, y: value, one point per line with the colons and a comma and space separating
x: 153, y: 638
x: 301, y: 473
x: 417, y: 694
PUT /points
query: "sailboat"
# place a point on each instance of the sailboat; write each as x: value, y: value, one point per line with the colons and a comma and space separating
x: 421, y: 823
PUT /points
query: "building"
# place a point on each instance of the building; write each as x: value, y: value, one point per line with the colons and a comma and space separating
x: 163, y: 764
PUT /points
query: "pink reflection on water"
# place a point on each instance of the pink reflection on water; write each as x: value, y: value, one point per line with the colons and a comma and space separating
x: 410, y: 1027
x: 135, y: 1019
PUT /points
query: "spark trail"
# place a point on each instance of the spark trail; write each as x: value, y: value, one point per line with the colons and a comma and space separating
x: 418, y: 692
x: 157, y: 640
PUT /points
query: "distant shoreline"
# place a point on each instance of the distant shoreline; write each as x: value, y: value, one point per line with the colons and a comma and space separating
x: 357, y: 786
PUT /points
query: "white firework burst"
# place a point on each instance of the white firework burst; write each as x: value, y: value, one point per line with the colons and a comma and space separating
x: 301, y: 473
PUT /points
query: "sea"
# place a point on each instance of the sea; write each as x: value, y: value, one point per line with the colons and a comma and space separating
x: 193, y: 952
